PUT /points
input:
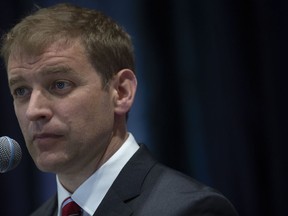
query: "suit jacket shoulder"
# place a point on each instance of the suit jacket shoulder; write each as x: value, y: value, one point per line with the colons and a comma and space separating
x: 145, y: 187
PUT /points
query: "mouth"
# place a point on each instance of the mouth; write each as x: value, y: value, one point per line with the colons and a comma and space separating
x: 46, y: 136
x: 46, y: 139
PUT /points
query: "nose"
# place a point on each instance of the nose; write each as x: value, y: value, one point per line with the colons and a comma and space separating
x: 38, y: 107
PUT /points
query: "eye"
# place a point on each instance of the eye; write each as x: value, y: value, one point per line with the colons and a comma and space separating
x: 21, y: 92
x: 61, y: 86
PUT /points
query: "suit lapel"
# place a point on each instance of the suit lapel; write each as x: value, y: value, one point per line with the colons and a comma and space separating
x: 113, y: 205
x: 53, y: 207
x: 127, y: 185
x: 47, y: 209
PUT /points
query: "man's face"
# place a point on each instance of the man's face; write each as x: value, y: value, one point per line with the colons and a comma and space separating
x: 64, y: 113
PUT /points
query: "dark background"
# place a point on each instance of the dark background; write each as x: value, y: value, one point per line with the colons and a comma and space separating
x: 212, y: 98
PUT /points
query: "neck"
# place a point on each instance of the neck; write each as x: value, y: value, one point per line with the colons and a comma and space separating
x: 72, y: 181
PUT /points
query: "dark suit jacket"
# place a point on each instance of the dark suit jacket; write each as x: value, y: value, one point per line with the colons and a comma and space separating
x: 145, y: 187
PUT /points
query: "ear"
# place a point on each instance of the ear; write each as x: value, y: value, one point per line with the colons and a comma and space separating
x: 124, y: 90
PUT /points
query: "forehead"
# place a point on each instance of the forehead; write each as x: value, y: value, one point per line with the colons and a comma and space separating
x: 23, y: 55
x: 55, y: 62
x: 55, y: 59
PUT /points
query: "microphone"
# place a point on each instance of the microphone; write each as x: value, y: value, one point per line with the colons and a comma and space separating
x: 10, y: 154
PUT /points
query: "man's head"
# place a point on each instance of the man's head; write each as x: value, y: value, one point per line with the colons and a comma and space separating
x: 70, y: 72
x: 107, y: 45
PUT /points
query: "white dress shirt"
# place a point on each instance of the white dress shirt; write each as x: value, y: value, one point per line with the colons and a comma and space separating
x: 90, y: 194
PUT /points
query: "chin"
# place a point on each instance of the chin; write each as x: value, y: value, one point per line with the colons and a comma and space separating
x: 46, y: 167
x: 48, y: 164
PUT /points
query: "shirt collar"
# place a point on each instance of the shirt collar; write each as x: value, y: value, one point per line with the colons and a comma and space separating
x: 100, y: 181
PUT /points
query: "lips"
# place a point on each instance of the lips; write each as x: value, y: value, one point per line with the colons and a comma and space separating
x: 42, y: 136
x: 46, y: 141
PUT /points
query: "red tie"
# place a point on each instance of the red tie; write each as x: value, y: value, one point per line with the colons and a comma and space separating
x: 70, y: 208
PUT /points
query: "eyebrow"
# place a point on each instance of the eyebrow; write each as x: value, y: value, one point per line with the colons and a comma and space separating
x: 47, y: 71
x: 15, y: 80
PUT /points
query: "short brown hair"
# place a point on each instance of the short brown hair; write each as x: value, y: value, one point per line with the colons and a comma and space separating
x: 108, y: 46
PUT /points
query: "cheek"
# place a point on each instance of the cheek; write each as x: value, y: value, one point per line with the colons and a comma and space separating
x: 21, y: 117
x: 91, y: 106
x: 92, y: 113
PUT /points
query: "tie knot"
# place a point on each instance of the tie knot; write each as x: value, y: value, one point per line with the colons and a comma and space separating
x: 70, y: 208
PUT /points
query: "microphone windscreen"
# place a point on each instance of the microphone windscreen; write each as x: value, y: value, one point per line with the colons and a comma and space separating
x: 10, y: 154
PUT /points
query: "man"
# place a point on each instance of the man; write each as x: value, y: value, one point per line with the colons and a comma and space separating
x: 71, y: 75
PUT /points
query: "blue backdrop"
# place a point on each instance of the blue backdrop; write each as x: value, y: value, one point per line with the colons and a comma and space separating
x: 212, y: 97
